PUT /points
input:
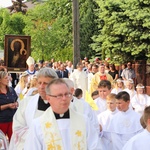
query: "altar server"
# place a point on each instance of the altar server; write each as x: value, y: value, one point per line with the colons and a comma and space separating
x: 141, y: 140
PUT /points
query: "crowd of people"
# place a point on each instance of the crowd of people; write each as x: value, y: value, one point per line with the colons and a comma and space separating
x: 46, y: 107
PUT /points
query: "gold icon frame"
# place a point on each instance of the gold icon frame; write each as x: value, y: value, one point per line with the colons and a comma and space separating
x: 16, y: 52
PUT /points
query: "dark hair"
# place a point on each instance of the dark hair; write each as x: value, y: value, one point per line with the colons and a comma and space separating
x: 123, y: 96
x: 79, y: 64
x: 41, y: 61
x: 96, y: 66
x: 2, y: 68
x: 112, y: 66
x: 78, y: 92
x: 146, y: 114
x: 49, y: 65
x: 36, y: 65
x: 94, y: 93
x: 142, y: 122
x: 104, y: 83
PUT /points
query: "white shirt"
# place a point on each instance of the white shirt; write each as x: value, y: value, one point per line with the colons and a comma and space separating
x: 139, y: 102
x: 130, y: 92
x: 123, y: 126
x: 116, y: 90
x: 104, y: 119
x: 84, y: 108
x: 101, y: 103
x: 140, y: 141
x: 79, y: 79
x: 70, y: 69
x: 90, y: 76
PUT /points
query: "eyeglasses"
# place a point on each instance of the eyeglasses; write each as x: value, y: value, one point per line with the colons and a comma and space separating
x: 67, y: 95
x: 129, y: 64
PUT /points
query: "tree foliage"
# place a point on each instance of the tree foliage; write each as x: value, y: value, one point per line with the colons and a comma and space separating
x: 10, y: 24
x: 117, y: 29
x: 123, y: 29
x: 50, y: 26
x: 50, y: 30
x: 88, y: 26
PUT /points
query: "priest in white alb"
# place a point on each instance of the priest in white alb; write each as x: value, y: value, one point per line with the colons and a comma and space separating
x: 82, y: 106
x: 60, y: 127
x: 30, y: 108
x: 79, y: 78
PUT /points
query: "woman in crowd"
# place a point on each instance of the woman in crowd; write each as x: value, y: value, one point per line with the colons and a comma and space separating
x: 113, y: 72
x: 140, y: 99
x: 8, y: 104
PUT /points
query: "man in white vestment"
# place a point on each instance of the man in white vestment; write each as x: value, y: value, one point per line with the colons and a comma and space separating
x: 60, y: 127
x: 124, y: 124
x: 31, y: 70
x: 91, y: 74
x: 104, y: 119
x: 104, y: 88
x: 79, y: 78
x: 141, y: 140
x: 82, y: 106
x: 29, y: 108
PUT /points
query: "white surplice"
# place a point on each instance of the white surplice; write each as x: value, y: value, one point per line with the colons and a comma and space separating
x: 90, y: 76
x: 123, y: 126
x: 62, y: 134
x: 140, y: 141
x: 80, y: 80
x: 105, y: 117
x: 30, y: 91
x: 104, y: 120
x: 22, y: 120
x: 84, y: 108
x: 139, y: 102
x: 101, y: 103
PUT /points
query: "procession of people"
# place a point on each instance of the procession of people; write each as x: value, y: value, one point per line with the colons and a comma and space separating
x: 47, y: 107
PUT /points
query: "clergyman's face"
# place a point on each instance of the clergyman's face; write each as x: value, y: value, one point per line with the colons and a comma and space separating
x: 102, y: 69
x: 59, y: 105
x: 42, y: 83
x: 31, y: 67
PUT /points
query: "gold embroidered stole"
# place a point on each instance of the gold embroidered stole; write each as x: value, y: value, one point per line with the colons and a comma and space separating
x: 52, y: 136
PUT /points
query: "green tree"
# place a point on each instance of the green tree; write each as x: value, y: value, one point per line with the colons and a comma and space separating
x: 123, y: 29
x: 10, y: 24
x: 88, y: 26
x: 49, y: 27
